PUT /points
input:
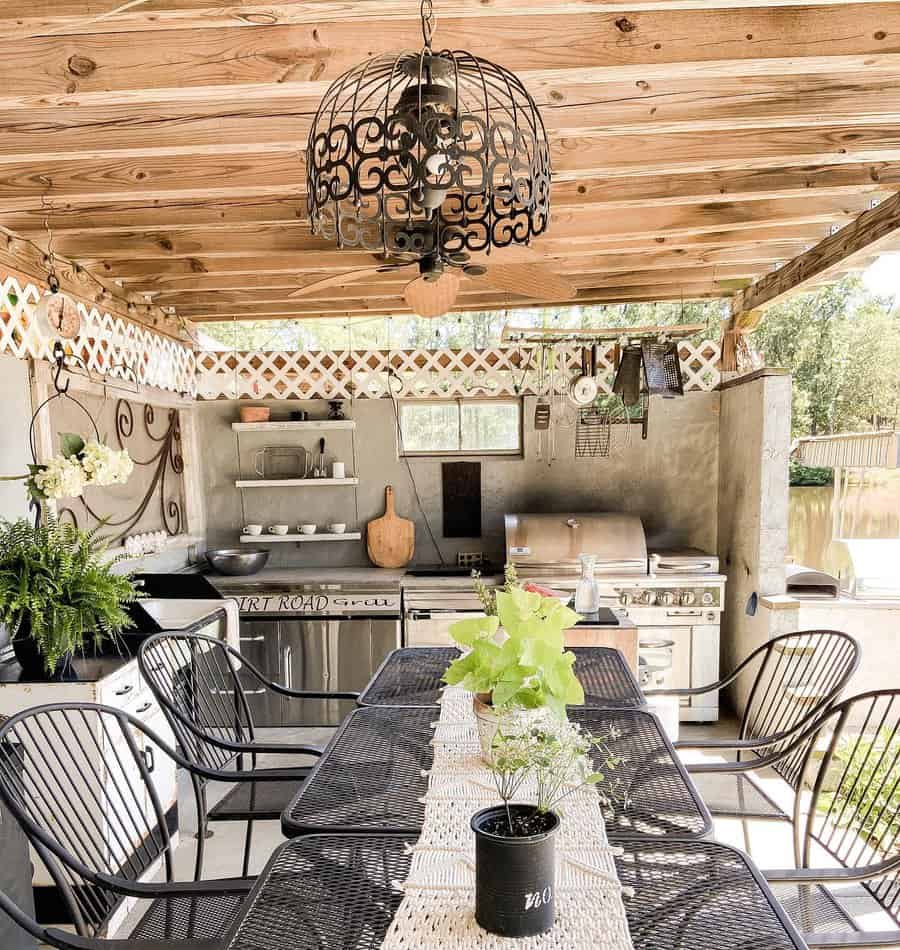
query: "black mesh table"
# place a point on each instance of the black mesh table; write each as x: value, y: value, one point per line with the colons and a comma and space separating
x: 338, y: 892
x: 412, y: 677
x: 370, y: 776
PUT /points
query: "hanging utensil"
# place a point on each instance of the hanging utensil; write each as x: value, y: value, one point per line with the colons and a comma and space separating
x: 542, y: 406
x: 593, y: 433
x: 627, y: 381
x: 662, y: 368
x: 583, y: 390
x: 320, y: 461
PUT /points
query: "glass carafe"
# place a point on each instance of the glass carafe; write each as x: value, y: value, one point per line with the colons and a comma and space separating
x: 587, y: 594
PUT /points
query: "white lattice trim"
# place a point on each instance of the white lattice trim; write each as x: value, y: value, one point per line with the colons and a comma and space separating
x: 370, y: 374
x: 107, y: 344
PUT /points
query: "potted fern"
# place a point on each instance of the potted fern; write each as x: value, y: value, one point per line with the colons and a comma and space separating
x: 529, y: 670
x: 57, y: 594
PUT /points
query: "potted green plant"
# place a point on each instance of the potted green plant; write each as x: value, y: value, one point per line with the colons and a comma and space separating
x: 530, y: 669
x: 57, y: 593
x: 515, y: 861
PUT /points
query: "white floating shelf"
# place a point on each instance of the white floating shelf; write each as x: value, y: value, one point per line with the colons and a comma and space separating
x: 287, y: 426
x: 278, y: 538
x: 293, y: 482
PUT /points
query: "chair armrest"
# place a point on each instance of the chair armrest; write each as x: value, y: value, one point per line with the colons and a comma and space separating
x: 831, y: 875
x: 311, y: 693
x: 151, y: 889
x: 276, y: 748
x: 724, y: 745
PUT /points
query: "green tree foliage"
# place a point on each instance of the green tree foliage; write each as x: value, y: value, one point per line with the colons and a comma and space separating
x: 842, y: 346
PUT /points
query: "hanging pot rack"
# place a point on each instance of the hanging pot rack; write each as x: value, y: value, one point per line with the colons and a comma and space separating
x: 538, y: 335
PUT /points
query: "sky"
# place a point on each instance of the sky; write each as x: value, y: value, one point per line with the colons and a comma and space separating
x: 883, y: 277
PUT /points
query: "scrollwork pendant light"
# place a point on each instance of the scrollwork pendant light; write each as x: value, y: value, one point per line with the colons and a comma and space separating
x: 432, y: 157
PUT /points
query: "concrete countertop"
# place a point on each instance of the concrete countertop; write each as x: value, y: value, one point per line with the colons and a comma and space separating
x: 796, y: 601
x: 289, y: 576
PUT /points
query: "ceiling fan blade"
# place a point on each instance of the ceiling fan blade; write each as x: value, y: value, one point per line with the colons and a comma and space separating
x: 432, y: 298
x: 335, y: 280
x: 535, y: 279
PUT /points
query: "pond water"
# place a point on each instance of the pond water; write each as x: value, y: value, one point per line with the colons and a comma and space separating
x: 871, y: 510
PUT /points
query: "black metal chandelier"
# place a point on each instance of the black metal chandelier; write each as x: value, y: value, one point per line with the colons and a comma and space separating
x: 428, y: 157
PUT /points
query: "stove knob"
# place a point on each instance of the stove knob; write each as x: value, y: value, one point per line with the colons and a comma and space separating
x: 687, y: 598
x: 624, y: 598
x: 668, y: 598
x: 648, y: 598
x: 707, y: 599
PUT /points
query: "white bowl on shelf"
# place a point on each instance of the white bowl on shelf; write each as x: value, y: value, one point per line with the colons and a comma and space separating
x: 337, y: 528
x: 307, y: 529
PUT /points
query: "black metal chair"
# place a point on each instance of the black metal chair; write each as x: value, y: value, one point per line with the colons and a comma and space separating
x: 197, y: 681
x: 79, y: 780
x: 852, y: 759
x: 791, y: 681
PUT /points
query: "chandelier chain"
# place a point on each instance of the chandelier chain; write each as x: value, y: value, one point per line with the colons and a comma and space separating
x: 426, y: 11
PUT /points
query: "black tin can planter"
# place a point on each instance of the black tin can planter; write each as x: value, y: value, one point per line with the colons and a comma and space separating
x: 515, y: 878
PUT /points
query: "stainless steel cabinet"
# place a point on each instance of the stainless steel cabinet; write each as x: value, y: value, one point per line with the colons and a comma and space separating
x: 315, y: 653
x: 259, y: 644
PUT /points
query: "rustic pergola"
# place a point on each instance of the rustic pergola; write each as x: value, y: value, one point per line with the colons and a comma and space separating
x: 700, y: 149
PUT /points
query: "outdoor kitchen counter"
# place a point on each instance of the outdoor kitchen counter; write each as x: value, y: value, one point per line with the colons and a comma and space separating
x: 294, y: 576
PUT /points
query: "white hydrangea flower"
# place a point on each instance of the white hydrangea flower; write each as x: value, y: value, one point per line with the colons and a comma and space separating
x: 61, y: 478
x: 106, y: 466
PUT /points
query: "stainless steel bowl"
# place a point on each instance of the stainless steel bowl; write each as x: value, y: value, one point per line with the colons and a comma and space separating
x: 238, y: 561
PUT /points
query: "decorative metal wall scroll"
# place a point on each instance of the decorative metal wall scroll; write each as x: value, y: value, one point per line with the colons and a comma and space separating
x: 158, y: 453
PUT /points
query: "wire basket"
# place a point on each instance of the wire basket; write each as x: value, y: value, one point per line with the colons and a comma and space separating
x: 662, y: 368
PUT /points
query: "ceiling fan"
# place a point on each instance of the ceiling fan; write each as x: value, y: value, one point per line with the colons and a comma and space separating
x: 516, y: 270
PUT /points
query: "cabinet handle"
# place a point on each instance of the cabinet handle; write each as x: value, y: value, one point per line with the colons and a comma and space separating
x: 258, y: 639
x: 125, y: 689
x: 144, y: 708
x: 149, y: 759
x: 253, y: 692
x: 288, y: 668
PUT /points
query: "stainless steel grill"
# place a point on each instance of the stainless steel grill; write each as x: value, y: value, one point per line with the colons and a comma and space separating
x: 549, y: 546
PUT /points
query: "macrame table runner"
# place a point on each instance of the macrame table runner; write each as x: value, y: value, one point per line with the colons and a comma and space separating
x: 437, y: 910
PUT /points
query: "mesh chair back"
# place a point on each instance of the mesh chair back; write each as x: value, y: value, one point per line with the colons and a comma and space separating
x: 799, y: 675
x: 196, y: 681
x: 854, y: 810
x: 77, y: 778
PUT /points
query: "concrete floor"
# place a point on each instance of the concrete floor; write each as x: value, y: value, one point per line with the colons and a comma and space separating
x: 770, y: 844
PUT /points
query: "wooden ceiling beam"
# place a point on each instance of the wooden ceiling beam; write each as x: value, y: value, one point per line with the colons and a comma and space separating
x: 74, y: 17
x: 836, y: 252
x: 569, y: 224
x: 752, y: 260
x: 639, y: 45
x: 390, y: 287
x: 723, y: 157
x: 27, y: 216
x: 385, y: 307
x: 74, y: 133
x: 170, y: 270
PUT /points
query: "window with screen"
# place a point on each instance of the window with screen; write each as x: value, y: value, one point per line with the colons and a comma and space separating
x: 461, y: 427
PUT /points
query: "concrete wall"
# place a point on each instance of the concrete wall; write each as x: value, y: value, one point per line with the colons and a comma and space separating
x: 670, y: 481
x: 15, y: 397
x: 753, y: 503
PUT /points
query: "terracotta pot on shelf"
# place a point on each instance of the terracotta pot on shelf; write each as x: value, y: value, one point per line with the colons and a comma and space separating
x: 254, y: 413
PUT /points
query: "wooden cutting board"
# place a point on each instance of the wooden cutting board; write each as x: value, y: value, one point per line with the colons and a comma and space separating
x: 390, y: 539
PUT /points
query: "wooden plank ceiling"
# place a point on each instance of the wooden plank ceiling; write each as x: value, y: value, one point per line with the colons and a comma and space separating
x: 696, y: 144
